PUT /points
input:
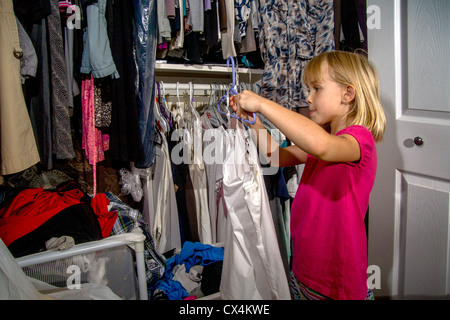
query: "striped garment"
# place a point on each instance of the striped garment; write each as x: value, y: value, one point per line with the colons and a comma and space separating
x: 301, y: 292
x: 129, y: 219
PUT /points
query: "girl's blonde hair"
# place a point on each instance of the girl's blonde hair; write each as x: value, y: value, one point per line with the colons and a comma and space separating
x: 353, y: 69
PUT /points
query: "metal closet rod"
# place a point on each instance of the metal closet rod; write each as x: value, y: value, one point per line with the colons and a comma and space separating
x: 195, y: 86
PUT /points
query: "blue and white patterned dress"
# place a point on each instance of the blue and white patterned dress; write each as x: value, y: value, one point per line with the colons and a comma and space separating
x: 292, y: 33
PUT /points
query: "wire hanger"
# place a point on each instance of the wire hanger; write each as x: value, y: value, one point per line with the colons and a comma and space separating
x: 161, y: 121
x: 169, y: 113
x: 232, y: 91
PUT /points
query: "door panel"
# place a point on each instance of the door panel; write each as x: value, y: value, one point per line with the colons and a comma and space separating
x: 428, y: 47
x: 409, y: 208
x: 424, y: 236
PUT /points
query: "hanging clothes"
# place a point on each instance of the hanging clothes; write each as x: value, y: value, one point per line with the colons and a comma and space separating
x: 350, y: 24
x: 211, y: 21
x: 97, y: 58
x: 39, y: 104
x: 252, y: 267
x: 18, y: 146
x: 160, y: 206
x: 228, y: 49
x: 28, y: 65
x: 125, y: 140
x: 93, y: 141
x: 242, y: 10
x: 199, y: 182
x: 61, y: 134
x: 291, y: 33
x: 214, y: 174
x: 146, y: 42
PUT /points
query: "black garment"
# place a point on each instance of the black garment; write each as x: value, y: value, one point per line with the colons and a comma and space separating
x: 78, y: 221
x: 125, y: 142
x: 350, y: 26
x: 192, y: 47
x: 184, y: 196
x: 186, y: 204
x: 37, y: 96
x: 210, y: 21
x: 211, y: 278
x: 85, y: 3
x: 31, y: 12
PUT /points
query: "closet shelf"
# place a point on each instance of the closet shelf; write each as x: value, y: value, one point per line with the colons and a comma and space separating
x: 202, y: 68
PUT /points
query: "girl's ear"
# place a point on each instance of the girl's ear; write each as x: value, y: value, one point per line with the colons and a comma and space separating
x: 349, y: 93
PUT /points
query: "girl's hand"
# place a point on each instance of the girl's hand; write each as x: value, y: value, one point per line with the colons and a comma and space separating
x: 245, y: 103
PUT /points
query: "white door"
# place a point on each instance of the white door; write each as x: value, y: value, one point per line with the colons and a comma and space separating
x: 409, y: 218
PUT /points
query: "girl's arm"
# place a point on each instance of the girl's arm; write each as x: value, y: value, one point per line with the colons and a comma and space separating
x: 274, y: 154
x: 304, y: 133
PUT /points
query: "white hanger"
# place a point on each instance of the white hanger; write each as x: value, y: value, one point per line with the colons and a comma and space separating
x: 165, y: 106
x: 179, y: 112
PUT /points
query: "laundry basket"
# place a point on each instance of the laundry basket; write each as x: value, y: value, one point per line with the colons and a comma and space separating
x: 116, y: 262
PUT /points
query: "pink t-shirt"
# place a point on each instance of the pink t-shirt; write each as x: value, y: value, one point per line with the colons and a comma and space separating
x: 327, y: 222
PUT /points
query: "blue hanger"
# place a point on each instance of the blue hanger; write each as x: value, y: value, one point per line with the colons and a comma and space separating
x: 233, y: 91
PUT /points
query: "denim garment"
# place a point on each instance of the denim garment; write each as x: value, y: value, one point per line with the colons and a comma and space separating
x: 146, y: 41
x: 97, y: 58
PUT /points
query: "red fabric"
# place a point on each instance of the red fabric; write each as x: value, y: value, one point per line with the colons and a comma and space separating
x: 31, y: 208
x: 106, y: 219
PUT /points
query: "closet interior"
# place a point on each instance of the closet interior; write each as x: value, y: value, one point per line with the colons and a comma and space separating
x: 132, y: 172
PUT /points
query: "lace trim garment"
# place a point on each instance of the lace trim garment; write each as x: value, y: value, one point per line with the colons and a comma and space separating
x: 93, y: 141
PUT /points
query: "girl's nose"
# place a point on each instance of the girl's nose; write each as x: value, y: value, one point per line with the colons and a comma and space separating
x: 308, y: 99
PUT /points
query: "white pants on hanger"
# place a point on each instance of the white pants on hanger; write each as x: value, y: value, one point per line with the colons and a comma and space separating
x: 252, y: 265
x: 213, y: 153
x: 199, y: 184
x: 160, y: 206
x: 197, y: 173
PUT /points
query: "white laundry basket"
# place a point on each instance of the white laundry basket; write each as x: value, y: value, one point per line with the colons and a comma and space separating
x: 116, y: 262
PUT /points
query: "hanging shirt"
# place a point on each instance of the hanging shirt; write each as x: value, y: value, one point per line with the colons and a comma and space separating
x: 252, y: 266
x: 164, y: 225
x: 197, y: 172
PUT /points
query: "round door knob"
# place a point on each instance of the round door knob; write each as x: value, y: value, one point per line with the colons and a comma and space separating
x: 418, y: 141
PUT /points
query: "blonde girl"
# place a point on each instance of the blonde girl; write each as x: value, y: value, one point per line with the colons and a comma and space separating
x: 337, y: 145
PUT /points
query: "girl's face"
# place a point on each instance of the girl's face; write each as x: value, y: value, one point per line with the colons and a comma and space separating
x: 326, y: 101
